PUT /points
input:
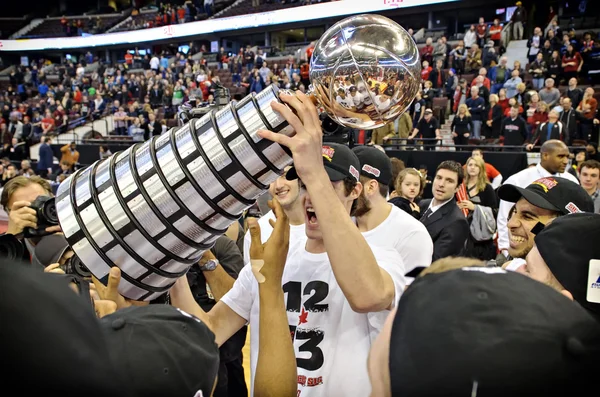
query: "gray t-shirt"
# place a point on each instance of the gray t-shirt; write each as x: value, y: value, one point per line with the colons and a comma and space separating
x: 551, y: 97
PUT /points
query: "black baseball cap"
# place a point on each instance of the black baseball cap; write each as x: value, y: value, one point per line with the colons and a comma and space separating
x: 489, y: 332
x: 551, y: 193
x: 162, y: 351
x: 51, y: 340
x: 567, y: 245
x: 50, y: 249
x: 340, y: 162
x: 374, y: 164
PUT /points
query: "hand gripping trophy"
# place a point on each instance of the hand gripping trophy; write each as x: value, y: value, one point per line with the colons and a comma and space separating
x: 153, y: 209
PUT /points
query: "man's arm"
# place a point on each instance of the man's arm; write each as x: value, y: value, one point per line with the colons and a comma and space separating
x: 367, y: 287
x: 231, y: 263
x: 451, y: 240
x: 502, y: 222
x: 221, y: 319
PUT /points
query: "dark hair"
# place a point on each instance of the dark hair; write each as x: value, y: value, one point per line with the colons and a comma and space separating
x: 349, y: 184
x: 453, y: 166
x: 397, y: 167
x: 383, y: 189
x: 594, y: 164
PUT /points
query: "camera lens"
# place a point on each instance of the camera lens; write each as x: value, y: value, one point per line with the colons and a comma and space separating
x: 49, y: 212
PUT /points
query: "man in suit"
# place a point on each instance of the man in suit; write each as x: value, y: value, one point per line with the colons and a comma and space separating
x: 445, y: 222
x: 44, y: 165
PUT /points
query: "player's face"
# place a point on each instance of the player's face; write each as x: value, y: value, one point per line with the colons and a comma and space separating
x: 311, y: 220
x: 522, y: 219
x: 287, y: 192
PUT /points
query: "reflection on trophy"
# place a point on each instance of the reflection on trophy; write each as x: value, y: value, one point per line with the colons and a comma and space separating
x: 153, y: 209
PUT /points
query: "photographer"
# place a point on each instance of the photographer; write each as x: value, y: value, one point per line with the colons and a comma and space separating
x: 17, y: 198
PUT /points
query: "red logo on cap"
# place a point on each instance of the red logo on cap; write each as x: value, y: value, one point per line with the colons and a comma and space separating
x: 328, y: 152
x: 546, y: 183
x: 354, y: 172
x: 572, y: 208
x: 371, y: 170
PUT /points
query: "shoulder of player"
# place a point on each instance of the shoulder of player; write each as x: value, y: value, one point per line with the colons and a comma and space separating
x: 386, y: 255
x: 406, y: 222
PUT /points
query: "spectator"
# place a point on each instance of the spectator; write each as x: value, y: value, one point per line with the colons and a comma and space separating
x: 589, y: 176
x: 409, y: 187
x: 535, y: 44
x: 518, y: 18
x: 574, y: 93
x: 47, y: 123
x: 495, y: 32
x: 427, y: 51
x: 438, y: 76
x: 550, y: 94
x: 459, y: 57
x: 104, y: 152
x: 69, y: 154
x: 26, y: 169
x: 428, y: 127
x: 450, y: 86
x: 587, y: 112
x: 551, y: 129
x: 470, y: 37
x: 493, y: 120
x: 425, y: 71
x: 461, y: 127
x: 136, y: 131
x: 483, y: 81
x: 489, y: 55
x: 499, y: 74
x: 476, y: 106
x: 473, y: 59
x: 538, y: 71
x: 439, y: 51
x: 555, y: 67
x: 568, y: 117
x: 481, y: 30
x: 512, y: 83
x: 513, y: 130
x: 571, y: 63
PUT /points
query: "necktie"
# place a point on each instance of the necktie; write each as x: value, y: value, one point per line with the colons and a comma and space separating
x: 426, y: 214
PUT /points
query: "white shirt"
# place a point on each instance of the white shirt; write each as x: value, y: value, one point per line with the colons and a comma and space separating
x: 521, y: 179
x: 154, y: 63
x: 515, y: 264
x: 434, y: 208
x: 331, y: 341
x: 406, y: 235
x: 297, y: 235
x: 345, y: 102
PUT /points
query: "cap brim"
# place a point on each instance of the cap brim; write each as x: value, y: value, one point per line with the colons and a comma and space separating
x: 334, y: 175
x: 512, y: 194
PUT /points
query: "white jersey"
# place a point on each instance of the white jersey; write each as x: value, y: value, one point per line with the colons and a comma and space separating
x: 346, y: 102
x: 331, y: 341
x: 521, y: 179
x: 405, y: 234
x: 297, y: 234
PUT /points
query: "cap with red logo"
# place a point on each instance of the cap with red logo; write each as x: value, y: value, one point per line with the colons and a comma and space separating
x: 551, y: 193
x: 339, y: 161
x: 374, y: 164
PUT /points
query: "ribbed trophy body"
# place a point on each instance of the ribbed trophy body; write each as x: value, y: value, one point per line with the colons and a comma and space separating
x: 153, y: 209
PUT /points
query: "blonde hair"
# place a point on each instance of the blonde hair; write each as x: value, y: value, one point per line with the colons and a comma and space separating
x: 494, y: 98
x: 451, y: 263
x: 544, y: 106
x: 521, y: 86
x: 482, y: 177
x: 410, y: 171
x: 463, y: 106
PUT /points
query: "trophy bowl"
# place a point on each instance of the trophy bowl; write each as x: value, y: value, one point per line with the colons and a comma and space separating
x: 365, y: 71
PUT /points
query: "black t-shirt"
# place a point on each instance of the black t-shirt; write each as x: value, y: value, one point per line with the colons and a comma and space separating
x: 427, y: 128
x: 230, y: 257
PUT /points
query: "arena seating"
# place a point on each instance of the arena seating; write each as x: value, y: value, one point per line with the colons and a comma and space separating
x: 91, y: 24
x: 9, y: 26
x: 245, y: 7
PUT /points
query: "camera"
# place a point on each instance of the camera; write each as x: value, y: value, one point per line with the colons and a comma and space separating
x: 45, y: 211
x: 74, y: 266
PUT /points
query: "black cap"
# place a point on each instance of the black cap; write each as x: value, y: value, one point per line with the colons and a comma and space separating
x: 374, y: 164
x: 567, y: 245
x: 162, y: 351
x: 340, y: 162
x: 551, y: 193
x: 489, y: 332
x: 50, y: 249
x: 51, y: 338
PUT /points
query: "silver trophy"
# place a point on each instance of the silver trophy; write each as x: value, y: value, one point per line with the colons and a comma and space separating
x: 153, y: 209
